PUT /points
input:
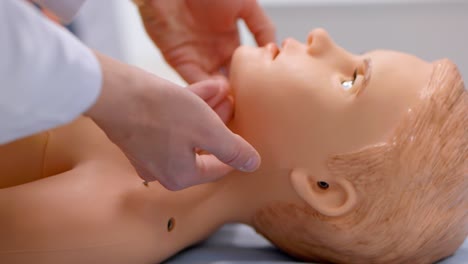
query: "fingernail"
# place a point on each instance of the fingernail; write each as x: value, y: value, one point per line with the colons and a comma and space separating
x: 251, y: 164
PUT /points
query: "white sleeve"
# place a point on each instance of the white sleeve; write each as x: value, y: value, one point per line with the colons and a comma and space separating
x: 64, y: 9
x: 48, y: 78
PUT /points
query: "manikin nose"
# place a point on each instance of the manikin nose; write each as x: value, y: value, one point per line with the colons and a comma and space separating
x: 318, y: 41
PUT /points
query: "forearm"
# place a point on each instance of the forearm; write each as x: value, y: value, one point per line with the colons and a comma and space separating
x: 48, y: 77
x: 124, y: 95
x: 120, y: 84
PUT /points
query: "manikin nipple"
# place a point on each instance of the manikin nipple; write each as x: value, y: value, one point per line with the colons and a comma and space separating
x: 170, y: 224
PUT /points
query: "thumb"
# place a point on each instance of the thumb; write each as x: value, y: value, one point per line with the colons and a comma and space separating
x: 212, y: 91
x: 233, y: 150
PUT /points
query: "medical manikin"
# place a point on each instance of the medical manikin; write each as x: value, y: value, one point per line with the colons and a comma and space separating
x: 364, y: 160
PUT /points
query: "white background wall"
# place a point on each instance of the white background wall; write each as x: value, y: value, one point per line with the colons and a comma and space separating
x: 428, y: 29
x: 431, y: 29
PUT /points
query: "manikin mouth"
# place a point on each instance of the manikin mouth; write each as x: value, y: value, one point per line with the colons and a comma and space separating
x: 273, y: 49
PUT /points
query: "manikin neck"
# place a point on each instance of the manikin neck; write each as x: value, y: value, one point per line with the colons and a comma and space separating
x: 244, y: 193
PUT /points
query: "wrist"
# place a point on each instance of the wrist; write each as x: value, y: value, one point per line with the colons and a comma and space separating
x: 116, y: 79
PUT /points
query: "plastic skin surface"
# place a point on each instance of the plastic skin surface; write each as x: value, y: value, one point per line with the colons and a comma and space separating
x: 294, y: 106
x: 70, y: 196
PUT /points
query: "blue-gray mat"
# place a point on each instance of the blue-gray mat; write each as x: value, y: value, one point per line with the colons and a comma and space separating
x: 237, y: 243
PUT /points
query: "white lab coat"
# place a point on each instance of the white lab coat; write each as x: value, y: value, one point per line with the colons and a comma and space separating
x: 48, y: 77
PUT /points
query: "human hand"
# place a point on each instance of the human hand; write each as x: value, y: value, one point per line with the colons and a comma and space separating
x: 198, y: 37
x: 216, y: 96
x: 159, y: 126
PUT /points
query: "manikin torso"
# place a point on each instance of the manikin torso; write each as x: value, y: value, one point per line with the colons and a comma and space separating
x: 82, y: 198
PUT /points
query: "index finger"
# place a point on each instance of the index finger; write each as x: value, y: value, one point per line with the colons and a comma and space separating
x: 191, y: 72
x: 258, y: 22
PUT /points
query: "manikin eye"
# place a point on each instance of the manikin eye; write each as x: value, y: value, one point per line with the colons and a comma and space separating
x: 323, y: 185
x: 349, y: 84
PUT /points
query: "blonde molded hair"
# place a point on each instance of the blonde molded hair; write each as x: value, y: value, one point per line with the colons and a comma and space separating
x: 412, y: 190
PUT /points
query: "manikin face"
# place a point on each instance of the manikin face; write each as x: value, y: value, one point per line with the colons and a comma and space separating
x: 308, y: 101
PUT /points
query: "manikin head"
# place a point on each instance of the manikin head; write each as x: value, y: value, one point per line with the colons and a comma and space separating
x: 374, y: 146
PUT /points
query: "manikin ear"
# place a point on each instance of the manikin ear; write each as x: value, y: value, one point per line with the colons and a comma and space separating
x: 330, y: 197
